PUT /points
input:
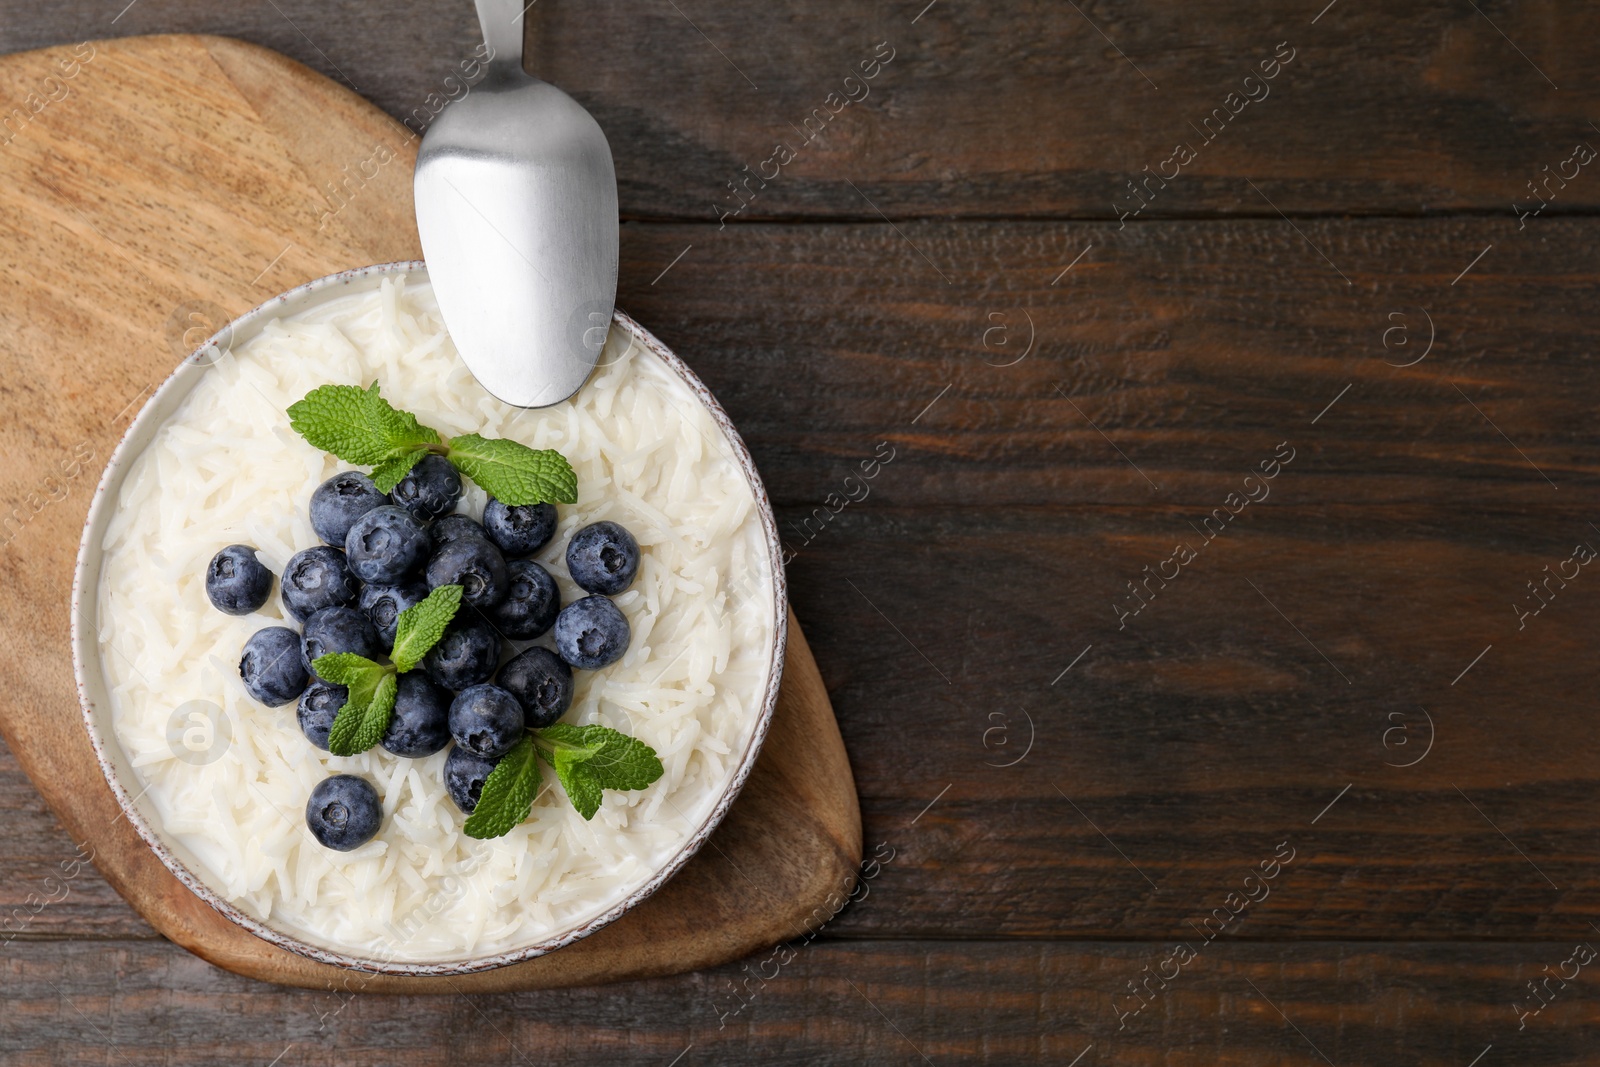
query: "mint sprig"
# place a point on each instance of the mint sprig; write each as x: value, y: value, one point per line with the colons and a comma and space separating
x: 507, y: 795
x: 372, y: 687
x: 420, y: 626
x: 359, y: 426
x: 514, y: 473
x: 362, y: 678
x: 584, y: 790
x: 387, y: 474
x: 356, y: 673
x: 360, y: 726
x: 587, y: 760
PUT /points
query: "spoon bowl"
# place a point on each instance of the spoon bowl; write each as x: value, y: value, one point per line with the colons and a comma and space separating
x: 516, y: 200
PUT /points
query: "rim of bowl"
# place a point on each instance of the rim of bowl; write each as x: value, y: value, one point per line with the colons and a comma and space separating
x: 86, y: 644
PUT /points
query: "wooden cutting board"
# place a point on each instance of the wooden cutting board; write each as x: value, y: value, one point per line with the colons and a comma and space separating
x: 150, y: 189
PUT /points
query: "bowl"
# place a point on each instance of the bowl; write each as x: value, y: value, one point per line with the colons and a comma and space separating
x: 93, y: 694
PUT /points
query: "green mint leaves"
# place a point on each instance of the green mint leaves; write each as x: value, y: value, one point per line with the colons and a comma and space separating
x: 514, y: 473
x: 359, y: 426
x: 507, y: 795
x: 373, y: 687
x: 422, y: 624
x: 587, y: 760
x: 387, y: 475
x: 359, y: 727
x: 351, y: 671
x: 584, y: 790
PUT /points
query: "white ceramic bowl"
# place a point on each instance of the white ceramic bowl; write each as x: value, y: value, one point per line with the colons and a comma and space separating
x: 92, y: 690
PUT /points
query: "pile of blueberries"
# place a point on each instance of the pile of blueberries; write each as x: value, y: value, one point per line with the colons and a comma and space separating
x: 384, y: 553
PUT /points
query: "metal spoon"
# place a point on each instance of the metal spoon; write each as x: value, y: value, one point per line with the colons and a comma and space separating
x: 517, y: 209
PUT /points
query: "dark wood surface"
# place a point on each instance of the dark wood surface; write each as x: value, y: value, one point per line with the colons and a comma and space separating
x: 1268, y: 694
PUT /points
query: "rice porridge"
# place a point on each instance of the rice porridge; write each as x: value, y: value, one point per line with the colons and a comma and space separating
x: 229, y: 786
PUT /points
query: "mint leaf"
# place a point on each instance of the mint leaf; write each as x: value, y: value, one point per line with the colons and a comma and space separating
x: 422, y: 624
x: 344, y: 668
x: 342, y: 735
x: 362, y: 679
x: 400, y: 428
x: 376, y: 721
x: 360, y: 676
x: 357, y: 425
x: 584, y: 790
x: 619, y: 761
x: 358, y: 727
x: 571, y: 757
x: 591, y: 759
x: 334, y: 419
x: 387, y: 475
x: 512, y: 472
x: 507, y: 795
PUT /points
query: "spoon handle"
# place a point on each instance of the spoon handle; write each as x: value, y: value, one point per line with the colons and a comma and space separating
x: 501, y: 21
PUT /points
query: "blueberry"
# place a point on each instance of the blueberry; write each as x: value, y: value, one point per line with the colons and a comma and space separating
x: 476, y: 566
x: 339, y: 502
x: 384, y: 603
x: 339, y: 630
x: 429, y: 489
x: 464, y: 775
x: 420, y: 725
x: 272, y: 667
x: 541, y: 682
x: 386, y: 543
x: 486, y: 720
x: 236, y: 581
x: 603, y: 558
x: 531, y: 604
x: 344, y: 812
x: 319, y: 706
x: 592, y: 633
x: 315, y: 579
x: 467, y: 654
x: 519, y: 530
x: 454, y: 527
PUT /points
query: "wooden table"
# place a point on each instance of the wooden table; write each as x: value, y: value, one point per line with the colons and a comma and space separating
x: 1215, y: 651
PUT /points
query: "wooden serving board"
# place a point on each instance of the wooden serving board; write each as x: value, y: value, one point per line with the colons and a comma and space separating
x: 150, y: 189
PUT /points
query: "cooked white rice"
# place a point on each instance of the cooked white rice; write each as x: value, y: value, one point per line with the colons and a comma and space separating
x: 227, y: 469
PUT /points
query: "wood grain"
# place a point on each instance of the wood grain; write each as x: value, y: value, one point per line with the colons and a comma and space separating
x: 1029, y: 108
x: 1235, y: 1004
x: 1196, y: 346
x: 145, y: 206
